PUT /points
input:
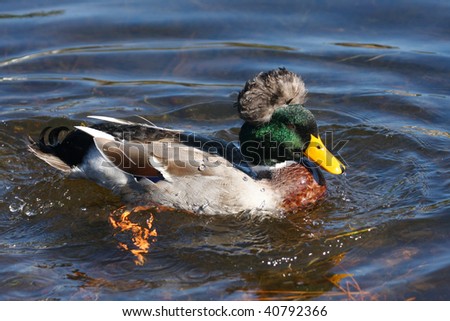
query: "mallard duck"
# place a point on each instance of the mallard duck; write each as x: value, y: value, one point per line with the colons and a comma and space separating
x: 274, y: 170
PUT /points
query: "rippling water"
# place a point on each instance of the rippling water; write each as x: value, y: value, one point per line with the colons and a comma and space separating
x: 377, y: 74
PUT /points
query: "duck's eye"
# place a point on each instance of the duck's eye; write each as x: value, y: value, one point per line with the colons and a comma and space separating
x: 290, y: 126
x: 319, y: 147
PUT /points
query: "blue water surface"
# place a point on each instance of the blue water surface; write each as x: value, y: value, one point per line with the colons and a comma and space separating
x: 377, y: 76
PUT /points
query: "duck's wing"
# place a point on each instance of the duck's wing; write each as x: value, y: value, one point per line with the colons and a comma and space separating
x: 220, y: 148
x: 147, y: 150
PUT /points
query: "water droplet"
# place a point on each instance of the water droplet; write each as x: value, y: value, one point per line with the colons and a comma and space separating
x: 15, y: 207
x: 30, y: 213
x: 317, y: 222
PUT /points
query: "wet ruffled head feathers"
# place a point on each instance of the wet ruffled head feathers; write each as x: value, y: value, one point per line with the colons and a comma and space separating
x: 267, y: 92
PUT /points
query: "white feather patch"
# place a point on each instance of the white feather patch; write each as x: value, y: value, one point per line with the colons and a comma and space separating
x: 94, y: 132
x: 112, y: 120
x: 126, y: 122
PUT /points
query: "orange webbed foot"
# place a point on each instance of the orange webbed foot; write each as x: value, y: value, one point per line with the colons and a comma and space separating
x: 143, y: 234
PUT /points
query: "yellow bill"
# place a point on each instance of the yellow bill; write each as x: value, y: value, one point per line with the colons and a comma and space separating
x: 319, y: 154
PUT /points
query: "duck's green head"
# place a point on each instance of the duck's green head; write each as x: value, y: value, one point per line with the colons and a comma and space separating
x: 291, y: 133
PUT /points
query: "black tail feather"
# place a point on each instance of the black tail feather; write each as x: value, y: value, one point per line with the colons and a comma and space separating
x: 69, y: 146
x: 48, y: 141
x: 53, y: 136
